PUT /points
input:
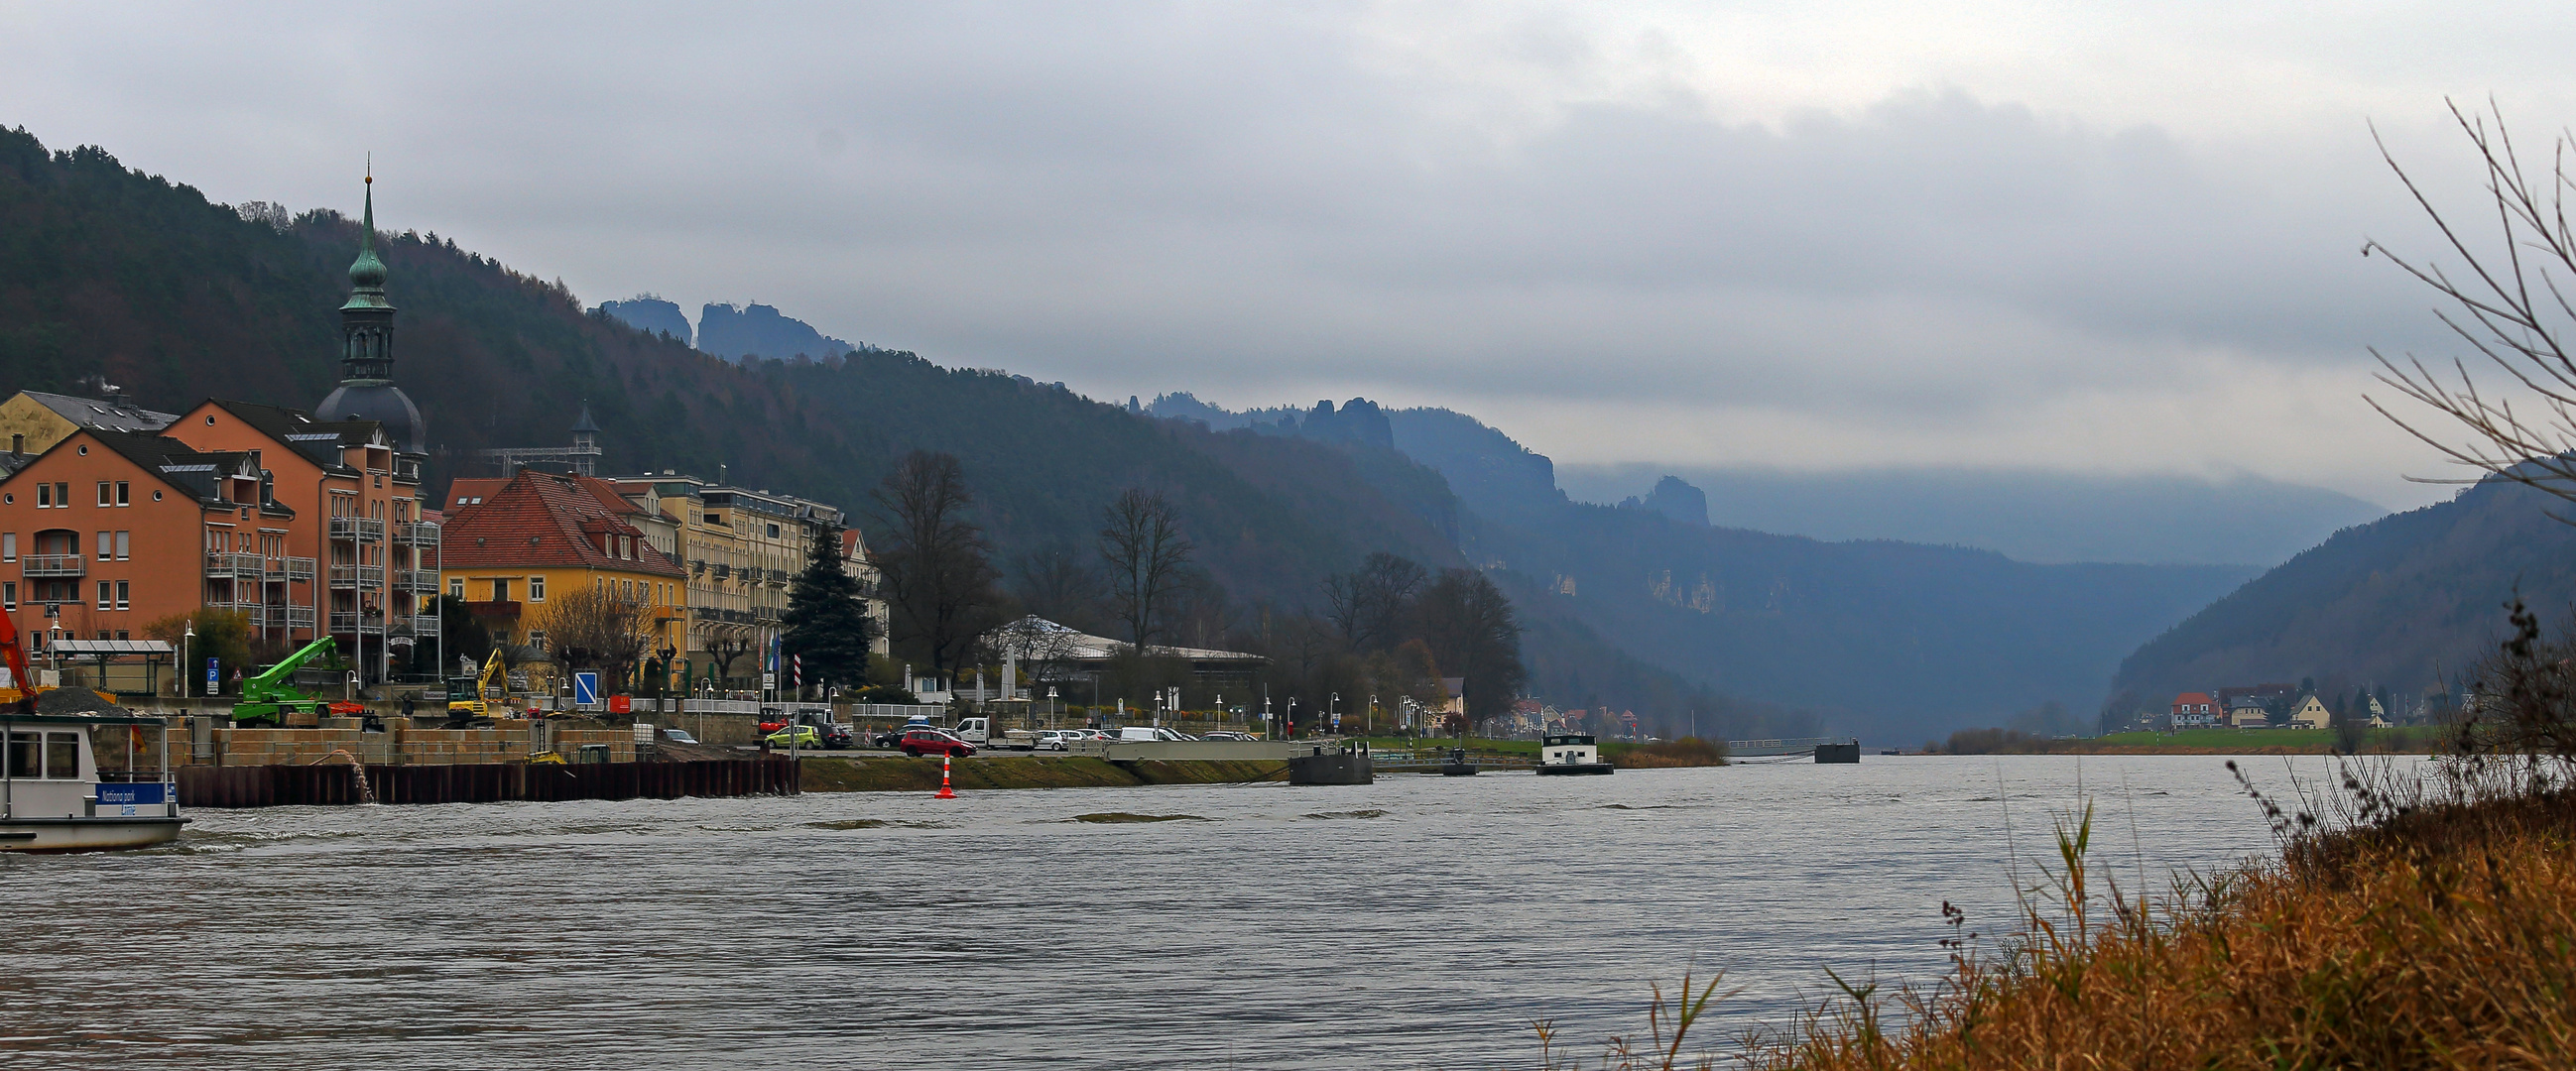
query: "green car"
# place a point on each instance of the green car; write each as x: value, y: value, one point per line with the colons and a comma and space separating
x: 796, y: 736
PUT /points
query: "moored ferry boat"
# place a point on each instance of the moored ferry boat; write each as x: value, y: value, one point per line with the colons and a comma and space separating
x: 54, y: 798
x: 1564, y: 754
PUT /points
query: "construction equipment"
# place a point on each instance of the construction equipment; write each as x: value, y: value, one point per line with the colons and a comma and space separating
x: 267, y: 698
x: 23, y: 682
x: 480, y: 705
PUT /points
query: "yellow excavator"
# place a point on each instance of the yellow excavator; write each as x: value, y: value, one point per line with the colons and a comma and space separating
x: 494, y: 679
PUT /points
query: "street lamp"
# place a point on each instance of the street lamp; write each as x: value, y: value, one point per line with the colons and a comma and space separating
x: 1334, y: 707
x: 187, y: 643
x: 1055, y: 716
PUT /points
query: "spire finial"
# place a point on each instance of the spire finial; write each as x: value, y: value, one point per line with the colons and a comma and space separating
x: 367, y: 273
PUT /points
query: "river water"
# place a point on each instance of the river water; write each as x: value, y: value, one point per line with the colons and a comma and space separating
x: 1418, y: 922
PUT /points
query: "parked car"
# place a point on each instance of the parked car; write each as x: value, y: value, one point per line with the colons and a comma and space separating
x: 795, y: 736
x: 893, y: 738
x: 1222, y: 734
x: 1148, y: 732
x: 1058, y: 739
x: 678, y: 736
x: 919, y: 741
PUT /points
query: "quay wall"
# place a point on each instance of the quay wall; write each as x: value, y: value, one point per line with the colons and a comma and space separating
x: 339, y: 783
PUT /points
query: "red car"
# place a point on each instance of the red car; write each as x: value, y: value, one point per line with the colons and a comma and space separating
x: 919, y: 742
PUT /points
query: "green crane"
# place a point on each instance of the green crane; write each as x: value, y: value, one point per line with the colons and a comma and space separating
x: 266, y: 699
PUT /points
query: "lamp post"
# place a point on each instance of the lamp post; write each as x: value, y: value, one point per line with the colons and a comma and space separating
x: 187, y: 644
x: 1333, y: 707
x: 1368, y: 718
x: 1292, y: 718
x: 1055, y: 712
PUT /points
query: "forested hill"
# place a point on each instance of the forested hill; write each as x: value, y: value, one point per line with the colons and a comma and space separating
x: 105, y: 270
x: 2404, y: 602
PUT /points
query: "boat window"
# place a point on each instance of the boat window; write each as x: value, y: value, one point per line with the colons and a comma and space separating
x: 23, y: 755
x: 62, y: 755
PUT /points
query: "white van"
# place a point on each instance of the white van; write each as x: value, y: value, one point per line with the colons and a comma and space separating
x: 976, y: 731
x: 1148, y: 733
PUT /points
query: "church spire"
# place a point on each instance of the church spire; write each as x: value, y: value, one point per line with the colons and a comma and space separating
x: 367, y: 390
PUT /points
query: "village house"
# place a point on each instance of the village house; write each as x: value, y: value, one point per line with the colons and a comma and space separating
x: 2311, y: 713
x: 2194, y: 710
x: 540, y: 535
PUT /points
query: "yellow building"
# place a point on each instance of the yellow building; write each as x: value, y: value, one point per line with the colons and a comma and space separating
x: 518, y: 548
x: 33, y: 421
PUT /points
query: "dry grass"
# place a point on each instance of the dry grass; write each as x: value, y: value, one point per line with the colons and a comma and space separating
x: 1687, y: 751
x: 2397, y: 929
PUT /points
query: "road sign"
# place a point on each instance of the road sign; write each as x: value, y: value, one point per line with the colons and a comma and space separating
x: 585, y: 688
x: 214, y: 673
x: 769, y: 680
x: 621, y: 704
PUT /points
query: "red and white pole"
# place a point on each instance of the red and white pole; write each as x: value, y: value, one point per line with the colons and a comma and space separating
x: 945, y: 792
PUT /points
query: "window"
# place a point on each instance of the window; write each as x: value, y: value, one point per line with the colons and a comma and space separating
x: 124, y: 634
x: 124, y: 593
x: 156, y: 496
x: 25, y: 759
x: 500, y: 591
x: 537, y: 639
x: 106, y: 595
x: 9, y: 547
x: 124, y: 493
x: 773, y: 531
x: 8, y: 594
x: 62, y: 756
x: 536, y: 589
x: 106, y: 546
x: 63, y: 495
x: 456, y: 588
x: 106, y: 493
x: 44, y: 496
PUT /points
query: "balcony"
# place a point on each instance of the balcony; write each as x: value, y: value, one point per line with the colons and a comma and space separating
x: 291, y: 569
x: 344, y: 622
x: 503, y: 608
x: 235, y: 566
x: 766, y: 615
x: 416, y: 534
x: 362, y: 529
x: 416, y: 580
x: 291, y: 616
x: 361, y: 577
x: 36, y: 565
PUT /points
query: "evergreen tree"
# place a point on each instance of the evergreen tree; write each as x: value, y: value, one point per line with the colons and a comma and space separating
x: 827, y: 620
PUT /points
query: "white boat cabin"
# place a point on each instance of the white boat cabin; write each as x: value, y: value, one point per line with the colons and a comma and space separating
x: 1569, y: 749
x: 52, y: 797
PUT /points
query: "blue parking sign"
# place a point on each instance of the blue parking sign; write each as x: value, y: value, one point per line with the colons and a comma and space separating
x: 585, y: 688
x: 214, y: 673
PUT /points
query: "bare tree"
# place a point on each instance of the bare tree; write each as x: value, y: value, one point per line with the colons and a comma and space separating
x: 1370, y: 604
x: 938, y: 569
x: 587, y: 628
x: 727, y: 648
x: 1046, y: 651
x: 1472, y: 631
x: 1142, y: 544
x: 2510, y: 305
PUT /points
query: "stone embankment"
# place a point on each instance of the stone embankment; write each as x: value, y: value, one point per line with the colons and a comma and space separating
x: 830, y: 773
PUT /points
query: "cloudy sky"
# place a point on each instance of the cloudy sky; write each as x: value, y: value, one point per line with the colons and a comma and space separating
x: 2090, y: 237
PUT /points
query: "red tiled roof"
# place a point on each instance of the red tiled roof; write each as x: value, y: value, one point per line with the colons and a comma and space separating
x: 2192, y: 698
x: 541, y: 520
x: 465, y: 491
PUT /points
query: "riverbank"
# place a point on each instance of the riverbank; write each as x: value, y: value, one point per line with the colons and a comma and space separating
x: 2402, y: 740
x: 829, y: 773
x: 2425, y: 935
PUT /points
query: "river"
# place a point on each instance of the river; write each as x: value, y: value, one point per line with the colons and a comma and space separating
x: 1418, y: 922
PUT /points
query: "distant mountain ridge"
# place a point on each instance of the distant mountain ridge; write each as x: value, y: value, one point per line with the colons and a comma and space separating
x: 2032, y: 516
x: 733, y: 332
x: 1891, y: 638
x: 2410, y: 601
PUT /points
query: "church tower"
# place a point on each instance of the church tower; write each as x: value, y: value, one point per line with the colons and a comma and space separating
x: 367, y: 390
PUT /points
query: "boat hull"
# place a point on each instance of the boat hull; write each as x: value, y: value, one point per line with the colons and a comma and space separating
x: 1573, y: 769
x: 86, y: 834
x: 1332, y: 768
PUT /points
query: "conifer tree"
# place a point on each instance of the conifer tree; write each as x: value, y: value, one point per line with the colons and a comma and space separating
x: 827, y: 621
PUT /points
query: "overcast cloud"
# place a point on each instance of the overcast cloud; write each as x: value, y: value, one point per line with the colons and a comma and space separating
x: 2089, y: 237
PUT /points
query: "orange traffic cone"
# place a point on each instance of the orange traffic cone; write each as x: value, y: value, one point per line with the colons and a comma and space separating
x: 945, y: 792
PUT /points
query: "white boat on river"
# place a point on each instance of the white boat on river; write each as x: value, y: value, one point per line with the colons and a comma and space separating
x: 54, y: 799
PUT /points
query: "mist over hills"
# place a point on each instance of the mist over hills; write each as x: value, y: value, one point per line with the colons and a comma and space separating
x: 2031, y: 516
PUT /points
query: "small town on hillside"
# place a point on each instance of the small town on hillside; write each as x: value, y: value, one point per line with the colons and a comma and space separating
x: 240, y: 548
